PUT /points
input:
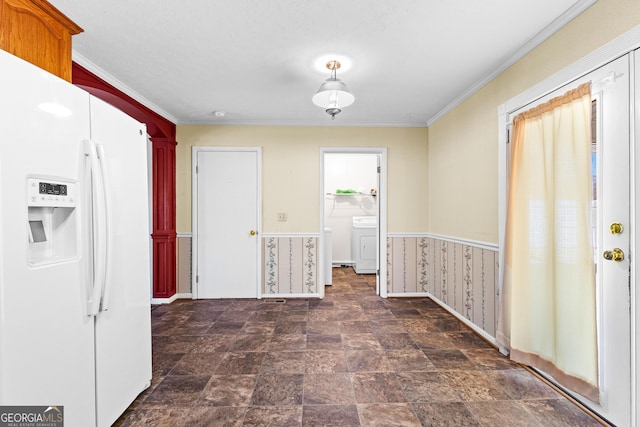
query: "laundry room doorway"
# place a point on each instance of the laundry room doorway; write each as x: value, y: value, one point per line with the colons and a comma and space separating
x: 353, y: 212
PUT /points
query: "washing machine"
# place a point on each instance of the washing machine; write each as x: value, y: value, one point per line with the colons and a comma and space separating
x: 363, y: 244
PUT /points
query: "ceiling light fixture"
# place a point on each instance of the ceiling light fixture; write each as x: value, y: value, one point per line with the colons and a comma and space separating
x: 333, y: 95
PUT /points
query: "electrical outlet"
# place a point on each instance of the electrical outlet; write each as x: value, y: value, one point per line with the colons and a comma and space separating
x: 282, y: 216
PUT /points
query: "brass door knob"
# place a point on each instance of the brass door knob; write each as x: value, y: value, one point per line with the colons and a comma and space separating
x: 615, y: 228
x: 253, y: 232
x: 615, y: 255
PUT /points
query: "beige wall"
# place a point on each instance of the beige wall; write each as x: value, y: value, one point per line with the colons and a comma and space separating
x: 290, y: 170
x: 463, y: 145
x: 443, y: 180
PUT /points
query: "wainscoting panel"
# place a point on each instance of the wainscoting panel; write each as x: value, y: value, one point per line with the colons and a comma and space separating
x: 401, y: 266
x: 290, y: 265
x: 462, y: 275
x: 183, y: 265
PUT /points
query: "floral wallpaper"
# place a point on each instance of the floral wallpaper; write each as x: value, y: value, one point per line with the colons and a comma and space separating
x: 290, y: 265
x: 464, y: 276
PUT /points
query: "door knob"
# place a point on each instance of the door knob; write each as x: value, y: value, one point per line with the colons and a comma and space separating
x: 615, y: 228
x: 615, y: 255
x: 253, y: 232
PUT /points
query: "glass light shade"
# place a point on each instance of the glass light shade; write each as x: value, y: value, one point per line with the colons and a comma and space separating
x: 333, y: 93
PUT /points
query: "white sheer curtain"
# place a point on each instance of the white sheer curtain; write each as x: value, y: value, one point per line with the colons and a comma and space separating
x: 548, y: 301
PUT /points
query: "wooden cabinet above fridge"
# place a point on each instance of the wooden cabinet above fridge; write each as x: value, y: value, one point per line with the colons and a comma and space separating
x: 37, y: 32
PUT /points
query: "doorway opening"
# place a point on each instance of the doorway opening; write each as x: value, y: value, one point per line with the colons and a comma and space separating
x: 353, y: 212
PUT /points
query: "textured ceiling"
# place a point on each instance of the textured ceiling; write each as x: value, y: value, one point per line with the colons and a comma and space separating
x: 255, y: 59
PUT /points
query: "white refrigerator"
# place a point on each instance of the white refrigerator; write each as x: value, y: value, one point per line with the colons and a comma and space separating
x: 75, y: 327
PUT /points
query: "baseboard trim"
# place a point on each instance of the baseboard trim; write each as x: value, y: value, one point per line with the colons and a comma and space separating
x: 158, y: 301
x: 285, y: 296
x: 488, y: 337
x: 409, y: 295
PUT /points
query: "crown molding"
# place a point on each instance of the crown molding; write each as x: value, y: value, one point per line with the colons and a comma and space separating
x: 302, y: 124
x: 99, y: 72
x: 543, y: 35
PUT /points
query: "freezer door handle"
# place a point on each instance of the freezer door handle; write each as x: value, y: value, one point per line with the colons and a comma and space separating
x: 100, y: 232
x: 106, y: 191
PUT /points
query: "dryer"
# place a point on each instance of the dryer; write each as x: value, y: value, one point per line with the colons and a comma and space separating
x: 363, y: 244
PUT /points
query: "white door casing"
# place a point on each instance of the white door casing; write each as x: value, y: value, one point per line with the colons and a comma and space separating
x: 226, y: 222
x: 381, y: 230
x: 635, y: 238
x: 380, y: 244
x: 610, y: 91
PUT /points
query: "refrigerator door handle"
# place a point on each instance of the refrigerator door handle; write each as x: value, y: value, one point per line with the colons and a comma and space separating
x: 99, y: 215
x: 106, y: 191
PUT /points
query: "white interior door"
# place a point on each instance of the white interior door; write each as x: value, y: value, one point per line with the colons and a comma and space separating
x: 611, y: 154
x: 226, y: 223
x: 611, y: 98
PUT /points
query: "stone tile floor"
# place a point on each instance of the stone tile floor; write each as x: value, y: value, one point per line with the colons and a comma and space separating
x: 352, y: 359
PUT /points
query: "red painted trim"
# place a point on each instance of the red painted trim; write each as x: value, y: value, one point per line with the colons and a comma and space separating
x: 157, y: 126
x: 164, y: 217
x: 164, y: 177
x: 163, y: 138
